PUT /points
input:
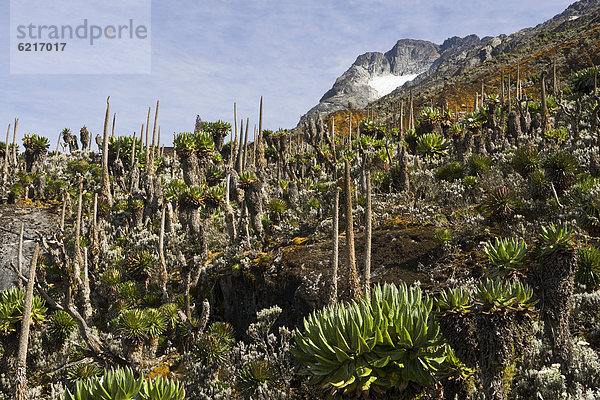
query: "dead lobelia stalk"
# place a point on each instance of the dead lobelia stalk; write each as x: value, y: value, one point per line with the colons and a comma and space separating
x: 105, y: 185
x: 353, y: 283
x: 368, y: 234
x: 21, y: 372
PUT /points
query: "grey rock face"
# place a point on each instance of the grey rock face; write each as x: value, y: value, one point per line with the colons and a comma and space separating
x: 407, y: 57
x: 434, y: 63
x: 36, y: 220
x: 460, y: 55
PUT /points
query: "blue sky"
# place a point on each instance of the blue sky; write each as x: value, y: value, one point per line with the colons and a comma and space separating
x: 207, y: 54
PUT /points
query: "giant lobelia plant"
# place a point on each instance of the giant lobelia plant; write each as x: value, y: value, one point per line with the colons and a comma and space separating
x: 387, y: 343
x: 556, y: 276
x: 488, y: 328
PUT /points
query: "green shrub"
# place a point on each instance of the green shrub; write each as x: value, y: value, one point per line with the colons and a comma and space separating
x: 111, y: 278
x: 12, y: 302
x: 247, y: 178
x: 430, y: 115
x: 192, y: 196
x: 161, y: 389
x: 214, y: 196
x: 124, y: 144
x: 217, y: 127
x: 495, y: 295
x: 558, y: 135
x: 132, y: 324
x: 35, y: 143
x: 139, y: 264
x: 588, y: 264
x: 130, y: 293
x: 254, y: 375
x: 454, y: 301
x: 83, y: 371
x: 114, y: 384
x: 450, y: 172
x: 214, y: 175
x: 213, y: 346
x: 78, y: 167
x: 479, y: 165
x: 156, y: 322
x: 314, y: 203
x: 61, y: 325
x: 469, y: 181
x: 204, y: 143
x: 525, y: 160
x: 387, y: 343
x: 499, y: 203
x: 538, y: 186
x: 582, y: 81
x: 184, y: 142
x: 174, y: 190
x: 200, y: 142
x: 277, y: 206
x: 561, y: 168
x: 121, y: 384
x: 584, y: 196
x: 476, y: 119
x: 443, y: 235
x: 372, y: 128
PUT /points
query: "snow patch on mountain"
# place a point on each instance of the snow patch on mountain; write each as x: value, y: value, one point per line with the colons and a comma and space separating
x: 386, y: 84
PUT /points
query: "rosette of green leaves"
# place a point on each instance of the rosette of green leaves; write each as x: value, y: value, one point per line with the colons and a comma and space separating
x: 525, y: 160
x: 12, y: 302
x: 35, y: 143
x: 119, y: 383
x: 215, y: 195
x: 185, y: 142
x: 495, y: 295
x: 432, y: 145
x: 161, y: 389
x: 555, y: 238
x: 247, y: 178
x: 507, y: 255
x: 204, y: 143
x: 499, y: 203
x: 582, y: 81
x: 61, y: 325
x: 588, y: 267
x: 454, y: 301
x: 372, y: 128
x: 585, y: 197
x: 430, y: 115
x: 386, y: 343
x: 192, y: 196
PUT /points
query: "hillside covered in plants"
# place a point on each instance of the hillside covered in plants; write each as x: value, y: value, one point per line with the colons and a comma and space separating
x: 410, y: 250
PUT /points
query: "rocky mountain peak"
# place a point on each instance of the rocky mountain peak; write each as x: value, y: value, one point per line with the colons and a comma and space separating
x: 456, y: 43
x: 421, y: 65
x: 375, y: 74
x: 409, y: 56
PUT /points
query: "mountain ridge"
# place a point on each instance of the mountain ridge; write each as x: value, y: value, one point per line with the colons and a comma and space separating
x: 453, y: 58
x: 406, y: 57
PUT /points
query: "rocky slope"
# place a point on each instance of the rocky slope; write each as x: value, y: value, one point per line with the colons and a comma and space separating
x: 36, y: 221
x: 453, y: 59
x: 562, y: 39
x: 375, y: 74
